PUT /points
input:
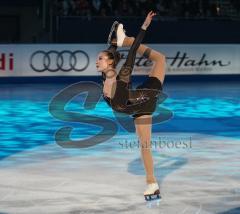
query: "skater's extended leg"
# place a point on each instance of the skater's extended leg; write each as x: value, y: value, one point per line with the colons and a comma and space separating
x: 158, y: 58
x: 126, y: 70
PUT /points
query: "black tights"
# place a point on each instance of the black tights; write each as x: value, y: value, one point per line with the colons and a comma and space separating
x: 127, y: 68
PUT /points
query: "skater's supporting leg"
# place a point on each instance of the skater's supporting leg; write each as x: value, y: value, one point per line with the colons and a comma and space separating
x: 144, y: 134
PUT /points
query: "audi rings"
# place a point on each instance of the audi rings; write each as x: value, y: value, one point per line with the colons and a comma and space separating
x: 54, y: 61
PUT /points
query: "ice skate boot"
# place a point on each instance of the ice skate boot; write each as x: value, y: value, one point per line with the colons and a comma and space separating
x: 152, y: 192
x: 120, y: 35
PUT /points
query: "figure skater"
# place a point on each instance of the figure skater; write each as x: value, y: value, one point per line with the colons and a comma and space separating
x: 139, y: 103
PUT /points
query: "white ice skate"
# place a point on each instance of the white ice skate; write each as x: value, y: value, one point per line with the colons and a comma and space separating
x: 120, y: 35
x: 152, y: 192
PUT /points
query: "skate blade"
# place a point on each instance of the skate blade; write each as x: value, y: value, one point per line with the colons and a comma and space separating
x: 111, y: 32
x: 152, y: 197
x: 153, y: 202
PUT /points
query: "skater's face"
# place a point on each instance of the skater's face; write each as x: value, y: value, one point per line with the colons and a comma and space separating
x: 103, y: 62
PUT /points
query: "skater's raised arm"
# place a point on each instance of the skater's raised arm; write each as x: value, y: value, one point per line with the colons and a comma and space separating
x: 148, y: 20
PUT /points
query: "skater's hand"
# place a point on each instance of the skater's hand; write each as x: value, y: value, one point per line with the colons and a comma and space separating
x: 148, y: 20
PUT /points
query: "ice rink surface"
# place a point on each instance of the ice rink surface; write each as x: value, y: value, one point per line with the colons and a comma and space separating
x: 39, y: 176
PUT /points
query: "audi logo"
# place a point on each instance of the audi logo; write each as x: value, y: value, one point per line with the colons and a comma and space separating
x: 54, y: 61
